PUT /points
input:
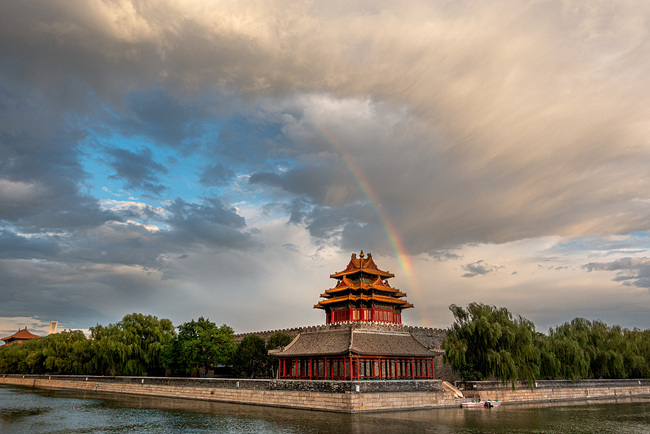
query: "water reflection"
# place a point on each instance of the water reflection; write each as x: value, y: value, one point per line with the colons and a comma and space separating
x: 24, y: 410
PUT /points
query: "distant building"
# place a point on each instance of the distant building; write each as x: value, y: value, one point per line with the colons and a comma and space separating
x: 363, y: 338
x: 53, y: 325
x: 19, y: 337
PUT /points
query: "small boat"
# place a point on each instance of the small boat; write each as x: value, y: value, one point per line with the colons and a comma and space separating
x: 473, y: 404
x: 480, y: 404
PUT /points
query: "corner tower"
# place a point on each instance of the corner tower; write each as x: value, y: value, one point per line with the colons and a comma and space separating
x: 363, y: 294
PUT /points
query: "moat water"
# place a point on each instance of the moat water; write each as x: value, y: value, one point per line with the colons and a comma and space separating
x: 39, y: 411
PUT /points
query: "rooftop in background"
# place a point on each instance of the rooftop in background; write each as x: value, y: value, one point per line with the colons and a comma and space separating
x: 20, y: 336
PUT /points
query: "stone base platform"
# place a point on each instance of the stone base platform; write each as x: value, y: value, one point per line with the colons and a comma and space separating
x: 336, y: 396
x: 556, y: 390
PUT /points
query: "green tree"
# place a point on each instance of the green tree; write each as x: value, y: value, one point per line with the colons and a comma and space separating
x: 251, y: 357
x: 586, y: 349
x: 200, y: 344
x: 276, y: 340
x: 133, y: 346
x: 67, y: 352
x: 486, y: 341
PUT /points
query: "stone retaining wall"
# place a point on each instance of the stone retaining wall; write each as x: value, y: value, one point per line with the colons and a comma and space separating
x: 556, y: 390
x: 337, y: 396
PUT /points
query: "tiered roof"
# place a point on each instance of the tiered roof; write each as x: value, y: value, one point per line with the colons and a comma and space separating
x: 363, y: 281
x: 20, y: 336
x: 365, y: 264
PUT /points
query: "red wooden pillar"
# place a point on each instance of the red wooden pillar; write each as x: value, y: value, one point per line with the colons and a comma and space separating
x: 351, y: 369
x: 412, y: 373
x: 325, y: 368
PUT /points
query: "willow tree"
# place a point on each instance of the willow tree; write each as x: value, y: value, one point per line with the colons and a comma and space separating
x: 133, y: 346
x: 67, y: 352
x: 487, y: 342
x: 591, y: 349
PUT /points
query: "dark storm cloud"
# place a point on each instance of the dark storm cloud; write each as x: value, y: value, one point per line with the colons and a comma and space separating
x: 311, y: 182
x: 18, y: 247
x: 39, y: 183
x: 492, y: 94
x: 186, y: 226
x: 478, y: 268
x: 156, y: 114
x: 138, y: 170
x: 630, y: 271
x: 78, y: 294
x: 297, y: 210
x: 216, y: 175
x: 210, y: 223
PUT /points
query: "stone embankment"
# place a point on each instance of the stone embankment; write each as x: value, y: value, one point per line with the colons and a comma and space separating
x: 555, y: 391
x: 337, y: 396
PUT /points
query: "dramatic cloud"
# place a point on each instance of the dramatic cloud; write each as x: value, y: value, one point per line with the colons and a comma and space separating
x: 151, y: 151
x: 138, y: 170
x: 478, y: 268
x: 630, y: 271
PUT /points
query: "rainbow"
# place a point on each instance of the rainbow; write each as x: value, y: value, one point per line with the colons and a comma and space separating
x: 392, y: 233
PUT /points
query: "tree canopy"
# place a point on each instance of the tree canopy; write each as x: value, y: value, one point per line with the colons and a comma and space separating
x: 486, y: 342
x: 133, y: 346
x: 251, y: 357
x: 200, y: 344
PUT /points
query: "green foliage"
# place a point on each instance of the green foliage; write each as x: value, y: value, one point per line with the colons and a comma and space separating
x: 66, y: 353
x: 583, y: 349
x: 277, y: 340
x: 133, y: 346
x: 61, y: 353
x: 200, y: 344
x: 251, y: 357
x: 486, y: 341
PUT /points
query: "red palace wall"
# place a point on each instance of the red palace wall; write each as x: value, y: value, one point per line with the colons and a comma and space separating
x: 355, y: 315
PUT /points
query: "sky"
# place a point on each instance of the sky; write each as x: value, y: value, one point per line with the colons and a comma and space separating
x: 190, y: 158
